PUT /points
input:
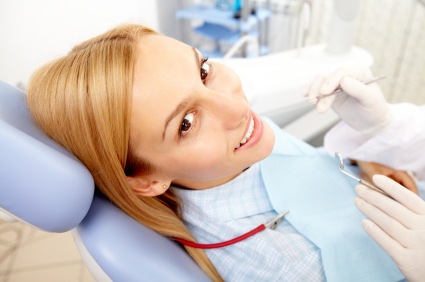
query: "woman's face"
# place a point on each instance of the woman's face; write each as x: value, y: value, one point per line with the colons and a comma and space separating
x: 188, y: 118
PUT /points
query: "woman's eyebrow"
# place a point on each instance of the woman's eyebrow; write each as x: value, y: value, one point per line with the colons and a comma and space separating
x: 183, y: 103
x: 198, y: 61
x: 176, y: 111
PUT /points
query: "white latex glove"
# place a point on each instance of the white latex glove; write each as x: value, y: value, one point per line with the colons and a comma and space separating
x: 398, y: 227
x: 361, y: 106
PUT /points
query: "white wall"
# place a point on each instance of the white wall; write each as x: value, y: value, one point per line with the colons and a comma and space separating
x: 393, y: 32
x: 34, y: 32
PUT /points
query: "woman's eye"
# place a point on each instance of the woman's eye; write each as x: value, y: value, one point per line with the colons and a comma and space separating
x: 186, y: 123
x: 205, y: 68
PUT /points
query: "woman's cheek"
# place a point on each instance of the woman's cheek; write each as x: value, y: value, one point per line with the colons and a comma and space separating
x: 209, y: 160
x: 203, y: 163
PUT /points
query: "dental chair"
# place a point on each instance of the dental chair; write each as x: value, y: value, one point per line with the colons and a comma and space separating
x: 46, y: 187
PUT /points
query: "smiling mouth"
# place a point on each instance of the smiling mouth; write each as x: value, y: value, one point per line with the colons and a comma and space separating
x: 248, y: 134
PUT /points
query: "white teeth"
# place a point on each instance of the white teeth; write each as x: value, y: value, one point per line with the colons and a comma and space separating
x: 250, y: 130
x: 248, y: 133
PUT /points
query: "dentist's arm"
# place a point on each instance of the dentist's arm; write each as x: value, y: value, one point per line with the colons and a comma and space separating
x: 401, y: 146
x: 398, y: 227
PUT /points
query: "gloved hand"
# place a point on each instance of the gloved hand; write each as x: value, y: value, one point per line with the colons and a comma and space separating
x: 369, y: 169
x: 363, y: 107
x: 398, y: 227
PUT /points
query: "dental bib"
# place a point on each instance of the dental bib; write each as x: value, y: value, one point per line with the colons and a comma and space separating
x: 321, y: 203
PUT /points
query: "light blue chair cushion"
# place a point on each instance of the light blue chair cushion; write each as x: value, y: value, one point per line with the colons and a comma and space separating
x: 128, y: 251
x: 41, y: 182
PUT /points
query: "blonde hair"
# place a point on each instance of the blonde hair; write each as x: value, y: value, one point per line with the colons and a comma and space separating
x: 83, y: 102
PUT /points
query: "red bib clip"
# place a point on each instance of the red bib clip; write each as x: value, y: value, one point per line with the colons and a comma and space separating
x: 272, y: 223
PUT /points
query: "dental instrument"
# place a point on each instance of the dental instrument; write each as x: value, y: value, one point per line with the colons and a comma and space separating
x: 272, y: 223
x: 340, y: 163
x: 339, y: 90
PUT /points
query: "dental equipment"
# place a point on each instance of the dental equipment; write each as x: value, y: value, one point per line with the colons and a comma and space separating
x: 340, y: 163
x: 342, y: 25
x: 272, y: 223
x: 339, y: 90
x: 304, y: 17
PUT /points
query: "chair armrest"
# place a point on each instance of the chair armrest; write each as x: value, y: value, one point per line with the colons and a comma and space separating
x: 128, y: 251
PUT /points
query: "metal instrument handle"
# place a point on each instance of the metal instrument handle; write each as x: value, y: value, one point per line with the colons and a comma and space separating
x: 373, y: 187
x: 339, y: 89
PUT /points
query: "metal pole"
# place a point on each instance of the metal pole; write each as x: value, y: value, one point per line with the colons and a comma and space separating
x: 267, y: 23
x: 245, y: 13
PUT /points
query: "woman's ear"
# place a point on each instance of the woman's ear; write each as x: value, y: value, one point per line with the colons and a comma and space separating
x: 145, y: 187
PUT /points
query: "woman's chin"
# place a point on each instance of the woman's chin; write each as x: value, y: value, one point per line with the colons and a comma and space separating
x: 267, y: 141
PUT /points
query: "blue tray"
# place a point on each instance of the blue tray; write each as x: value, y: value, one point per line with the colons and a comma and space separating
x: 222, y: 17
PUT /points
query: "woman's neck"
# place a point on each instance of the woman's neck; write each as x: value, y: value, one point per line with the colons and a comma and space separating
x: 204, y: 184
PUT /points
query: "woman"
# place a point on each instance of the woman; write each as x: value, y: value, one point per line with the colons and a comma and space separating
x: 143, y: 111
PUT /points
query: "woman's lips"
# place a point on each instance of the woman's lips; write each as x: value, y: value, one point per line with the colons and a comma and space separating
x: 256, y: 134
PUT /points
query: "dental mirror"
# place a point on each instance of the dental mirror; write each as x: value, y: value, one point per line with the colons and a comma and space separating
x: 340, y: 163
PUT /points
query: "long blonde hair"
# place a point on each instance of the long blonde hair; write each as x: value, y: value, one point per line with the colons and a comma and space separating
x: 83, y: 102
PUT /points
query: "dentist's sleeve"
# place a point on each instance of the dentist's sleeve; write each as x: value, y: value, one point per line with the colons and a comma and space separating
x: 401, y: 146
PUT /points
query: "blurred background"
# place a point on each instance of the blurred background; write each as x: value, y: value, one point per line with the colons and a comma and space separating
x: 296, y: 39
x: 33, y: 32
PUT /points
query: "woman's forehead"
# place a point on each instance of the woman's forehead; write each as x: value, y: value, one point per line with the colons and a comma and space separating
x: 161, y: 62
x: 165, y: 73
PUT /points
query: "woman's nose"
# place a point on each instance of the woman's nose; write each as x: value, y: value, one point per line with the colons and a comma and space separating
x: 230, y: 104
x: 229, y: 108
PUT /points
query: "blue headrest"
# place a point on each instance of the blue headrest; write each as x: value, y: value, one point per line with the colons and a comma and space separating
x: 42, y: 184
